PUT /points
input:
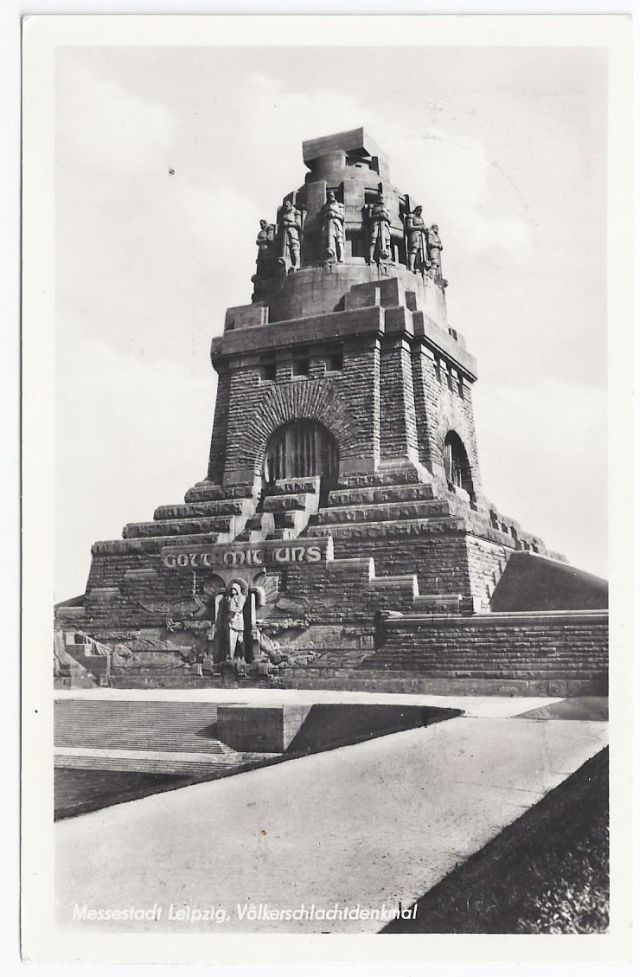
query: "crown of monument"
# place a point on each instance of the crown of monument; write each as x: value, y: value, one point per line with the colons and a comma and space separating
x: 347, y: 220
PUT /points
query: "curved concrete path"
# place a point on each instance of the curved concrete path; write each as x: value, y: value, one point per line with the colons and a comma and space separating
x: 371, y: 824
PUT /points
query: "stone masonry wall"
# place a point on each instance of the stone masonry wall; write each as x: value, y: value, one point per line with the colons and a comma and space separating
x: 486, y: 561
x: 439, y: 560
x: 399, y: 435
x: 342, y: 401
x: 569, y: 644
x: 133, y: 589
x: 220, y: 425
x: 443, y: 403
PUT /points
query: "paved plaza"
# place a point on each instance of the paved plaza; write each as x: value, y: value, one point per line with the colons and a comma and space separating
x: 372, y: 824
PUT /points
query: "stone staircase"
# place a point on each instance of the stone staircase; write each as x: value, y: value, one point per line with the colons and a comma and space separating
x: 385, y: 537
x: 143, y: 736
x: 137, y: 725
x: 224, y: 519
x: 396, y: 503
x: 285, y: 510
x: 224, y: 515
x: 151, y: 761
x: 72, y: 671
x: 401, y: 498
x: 370, y: 503
x: 80, y: 666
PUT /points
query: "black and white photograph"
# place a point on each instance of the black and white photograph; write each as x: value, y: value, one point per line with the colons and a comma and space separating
x: 320, y: 460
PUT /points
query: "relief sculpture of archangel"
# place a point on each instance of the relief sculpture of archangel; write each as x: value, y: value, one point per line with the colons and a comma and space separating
x: 229, y: 634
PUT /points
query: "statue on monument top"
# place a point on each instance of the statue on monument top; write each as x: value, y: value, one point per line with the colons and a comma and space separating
x: 266, y: 261
x: 416, y: 232
x: 434, y: 246
x: 332, y: 224
x: 378, y: 220
x: 290, y: 227
x: 266, y: 237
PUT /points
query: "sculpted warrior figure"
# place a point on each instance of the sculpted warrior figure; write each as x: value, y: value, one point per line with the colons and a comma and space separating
x: 416, y: 240
x: 332, y: 223
x: 290, y: 227
x: 264, y: 240
x: 230, y: 623
x: 434, y: 245
x: 379, y: 233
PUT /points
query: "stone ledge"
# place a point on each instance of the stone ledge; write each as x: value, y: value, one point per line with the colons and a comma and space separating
x: 383, y: 511
x: 436, y: 525
x: 381, y: 495
x: 219, y: 507
x: 293, y: 332
x: 511, y: 618
x: 407, y: 581
x: 437, y: 339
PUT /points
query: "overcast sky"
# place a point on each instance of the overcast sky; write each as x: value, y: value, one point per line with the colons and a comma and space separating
x: 504, y: 148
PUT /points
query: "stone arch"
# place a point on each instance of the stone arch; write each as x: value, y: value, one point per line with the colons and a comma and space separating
x: 301, y: 449
x: 311, y: 400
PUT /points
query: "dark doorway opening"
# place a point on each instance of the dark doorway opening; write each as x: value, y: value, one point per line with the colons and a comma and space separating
x: 302, y: 449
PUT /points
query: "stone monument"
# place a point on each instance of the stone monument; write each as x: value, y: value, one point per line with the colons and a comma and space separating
x: 343, y: 477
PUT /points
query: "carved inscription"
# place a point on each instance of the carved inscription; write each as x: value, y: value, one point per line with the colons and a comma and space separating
x: 251, y: 556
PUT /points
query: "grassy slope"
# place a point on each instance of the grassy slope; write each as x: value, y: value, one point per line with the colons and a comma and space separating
x: 548, y: 872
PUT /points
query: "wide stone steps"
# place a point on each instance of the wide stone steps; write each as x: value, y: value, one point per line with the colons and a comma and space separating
x: 285, y: 503
x: 282, y: 532
x: 149, y: 544
x: 393, y: 475
x: 382, y: 512
x: 227, y: 525
x: 90, y: 665
x: 139, y: 725
x: 382, y: 530
x: 380, y: 494
x: 210, y: 492
x: 195, y: 510
x: 287, y: 508
x: 295, y: 486
x: 149, y: 761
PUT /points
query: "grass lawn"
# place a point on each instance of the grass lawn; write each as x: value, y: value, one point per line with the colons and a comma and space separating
x: 548, y: 872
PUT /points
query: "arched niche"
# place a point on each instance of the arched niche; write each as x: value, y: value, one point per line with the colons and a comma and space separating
x: 302, y: 449
x: 456, y: 463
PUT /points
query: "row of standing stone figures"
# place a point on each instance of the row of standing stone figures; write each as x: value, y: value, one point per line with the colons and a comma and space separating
x: 423, y: 243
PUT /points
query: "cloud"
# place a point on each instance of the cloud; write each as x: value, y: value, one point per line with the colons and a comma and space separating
x: 541, y: 448
x: 106, y: 127
x: 147, y: 261
x: 132, y: 434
